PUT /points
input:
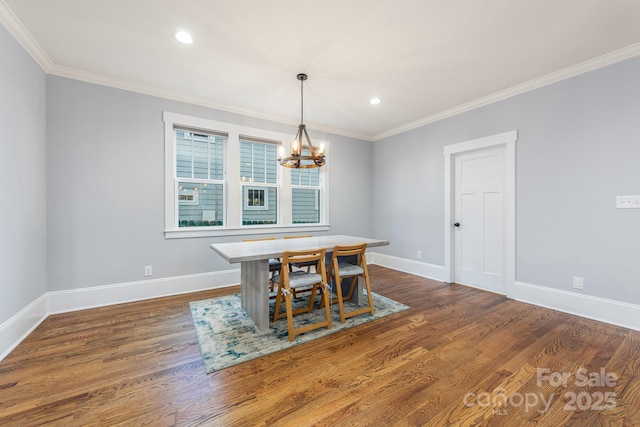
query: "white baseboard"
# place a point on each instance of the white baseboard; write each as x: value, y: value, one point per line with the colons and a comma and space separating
x: 423, y: 269
x: 16, y: 329
x: 99, y: 296
x: 596, y: 308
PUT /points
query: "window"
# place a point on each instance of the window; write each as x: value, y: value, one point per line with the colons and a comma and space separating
x: 221, y: 182
x: 305, y: 195
x: 259, y: 167
x: 199, y: 178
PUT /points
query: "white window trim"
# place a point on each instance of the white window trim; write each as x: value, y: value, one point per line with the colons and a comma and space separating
x: 233, y: 191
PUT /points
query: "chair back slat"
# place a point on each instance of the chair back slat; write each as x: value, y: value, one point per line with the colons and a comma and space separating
x: 310, y: 255
x: 350, y: 250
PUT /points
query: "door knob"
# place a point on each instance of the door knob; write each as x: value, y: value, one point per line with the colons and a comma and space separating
x: 457, y: 224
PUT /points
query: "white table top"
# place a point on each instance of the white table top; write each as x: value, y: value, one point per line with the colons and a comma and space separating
x: 264, y: 249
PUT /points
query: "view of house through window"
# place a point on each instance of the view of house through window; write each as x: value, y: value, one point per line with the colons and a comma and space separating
x: 305, y: 195
x: 199, y: 178
x: 259, y: 178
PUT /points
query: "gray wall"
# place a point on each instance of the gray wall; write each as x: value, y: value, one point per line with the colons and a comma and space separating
x: 105, y: 173
x: 22, y: 179
x: 578, y: 147
x: 82, y: 169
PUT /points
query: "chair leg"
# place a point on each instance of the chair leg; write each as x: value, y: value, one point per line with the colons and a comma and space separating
x: 290, y: 312
x: 312, y: 298
x: 367, y: 285
x: 327, y: 307
x: 292, y: 333
x: 369, y: 309
x: 340, y: 299
x: 276, y: 310
x: 324, y: 290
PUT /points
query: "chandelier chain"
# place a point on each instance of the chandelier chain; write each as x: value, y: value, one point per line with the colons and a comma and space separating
x: 302, y: 101
x: 297, y: 158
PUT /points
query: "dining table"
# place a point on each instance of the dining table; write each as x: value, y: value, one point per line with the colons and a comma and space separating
x: 254, y: 256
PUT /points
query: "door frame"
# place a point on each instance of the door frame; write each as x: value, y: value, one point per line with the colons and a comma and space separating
x: 508, y: 139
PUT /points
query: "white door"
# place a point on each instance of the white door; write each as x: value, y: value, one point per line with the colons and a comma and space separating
x: 479, y: 218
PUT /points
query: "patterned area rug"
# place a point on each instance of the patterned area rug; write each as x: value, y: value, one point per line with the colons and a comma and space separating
x: 227, y: 336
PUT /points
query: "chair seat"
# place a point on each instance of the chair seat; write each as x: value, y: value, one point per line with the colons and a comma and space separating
x: 274, y: 264
x: 300, y: 278
x: 347, y: 269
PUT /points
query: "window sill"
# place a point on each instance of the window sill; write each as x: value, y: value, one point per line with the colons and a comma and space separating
x: 244, y: 231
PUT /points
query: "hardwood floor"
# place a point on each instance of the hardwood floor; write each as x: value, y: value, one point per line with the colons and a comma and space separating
x: 450, y: 360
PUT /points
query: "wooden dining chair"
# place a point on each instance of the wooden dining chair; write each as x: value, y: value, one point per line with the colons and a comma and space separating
x: 274, y: 263
x: 288, y: 281
x: 350, y: 262
x: 300, y: 265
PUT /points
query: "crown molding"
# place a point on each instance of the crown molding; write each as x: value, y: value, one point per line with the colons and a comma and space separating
x: 13, y: 25
x: 102, y: 80
x: 566, y: 73
x: 18, y: 31
x: 557, y: 76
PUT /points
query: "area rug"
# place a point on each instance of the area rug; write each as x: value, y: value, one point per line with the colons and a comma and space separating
x: 227, y: 336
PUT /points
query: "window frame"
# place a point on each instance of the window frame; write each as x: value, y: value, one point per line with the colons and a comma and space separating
x: 179, y: 181
x: 233, y: 191
x: 249, y: 183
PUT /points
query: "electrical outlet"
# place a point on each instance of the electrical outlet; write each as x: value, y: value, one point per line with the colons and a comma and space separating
x: 148, y: 271
x: 578, y: 282
x: 419, y: 255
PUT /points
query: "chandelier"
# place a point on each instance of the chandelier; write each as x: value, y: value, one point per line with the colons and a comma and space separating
x: 302, y: 156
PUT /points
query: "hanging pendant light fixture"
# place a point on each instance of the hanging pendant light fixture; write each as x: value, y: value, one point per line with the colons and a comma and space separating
x: 302, y: 156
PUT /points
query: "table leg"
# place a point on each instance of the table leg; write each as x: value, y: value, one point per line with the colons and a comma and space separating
x: 254, y: 291
x: 358, y: 296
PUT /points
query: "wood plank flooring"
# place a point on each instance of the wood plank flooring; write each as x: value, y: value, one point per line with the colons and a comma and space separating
x: 458, y: 357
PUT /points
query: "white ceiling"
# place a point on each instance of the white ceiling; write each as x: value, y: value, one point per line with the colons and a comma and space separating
x: 425, y: 59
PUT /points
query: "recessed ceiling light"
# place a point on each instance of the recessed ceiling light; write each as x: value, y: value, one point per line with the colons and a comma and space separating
x: 374, y: 101
x: 183, y: 37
